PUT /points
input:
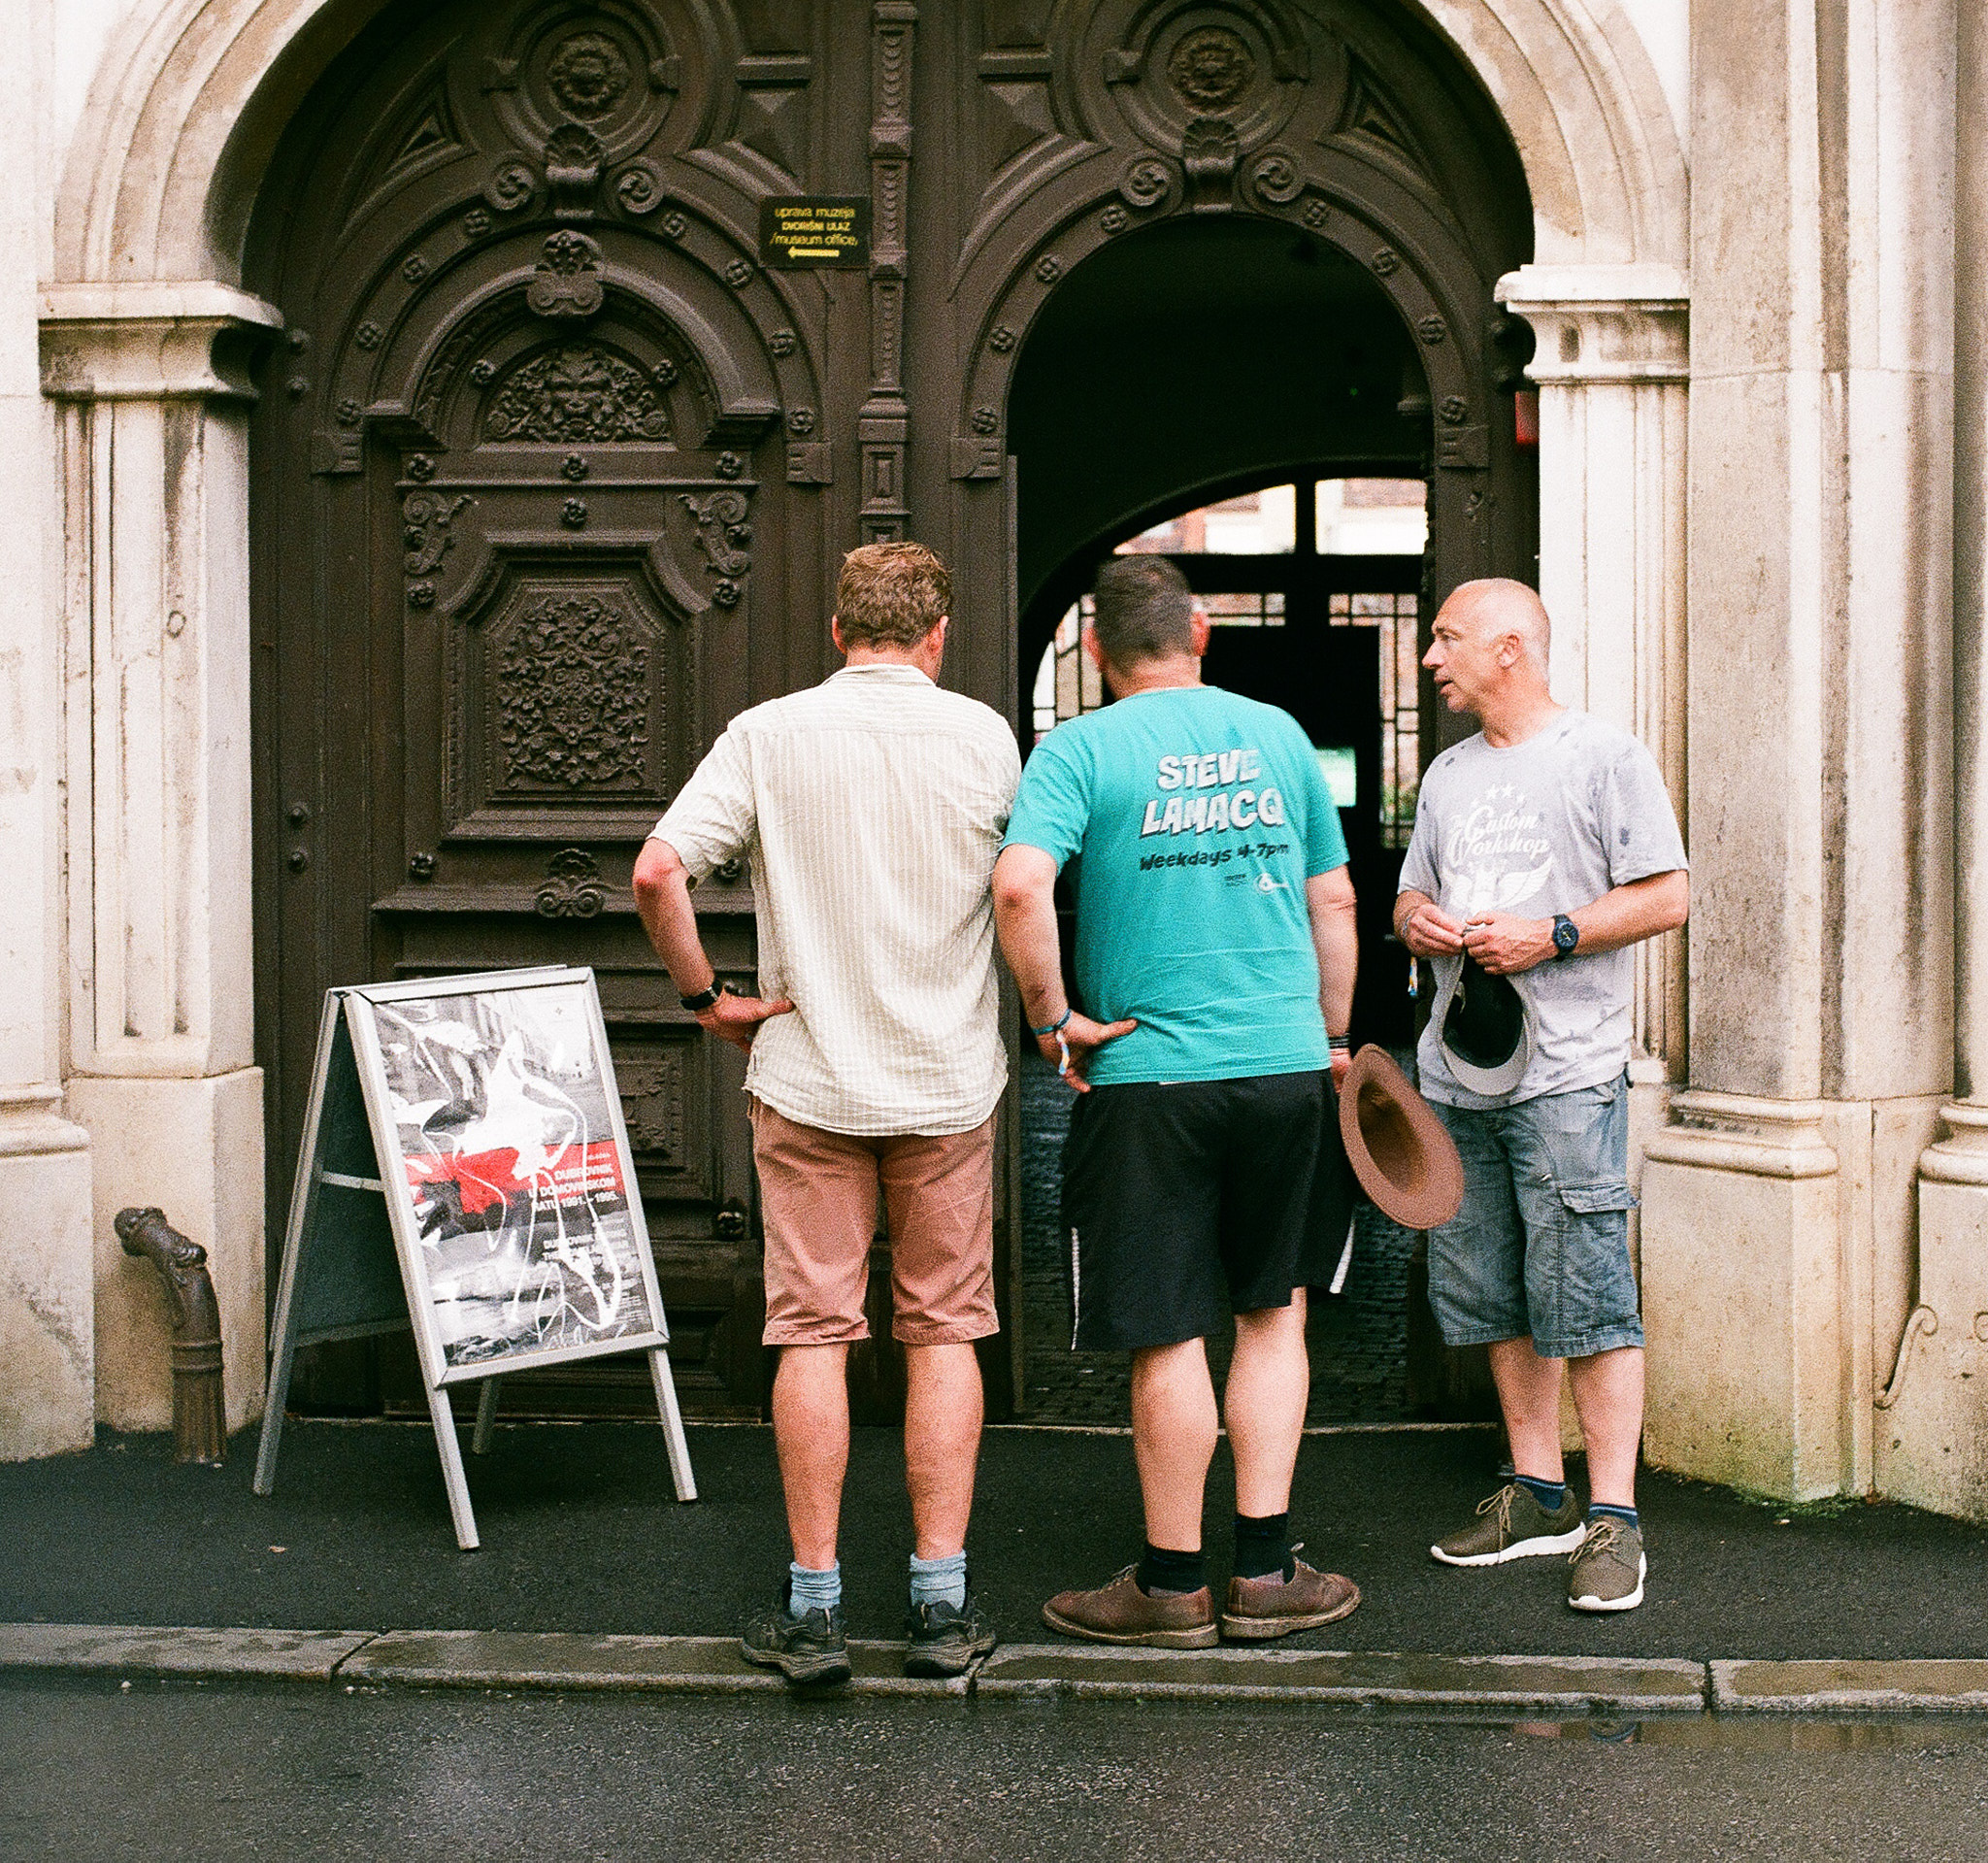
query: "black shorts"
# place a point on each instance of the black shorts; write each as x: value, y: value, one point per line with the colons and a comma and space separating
x: 1178, y: 1192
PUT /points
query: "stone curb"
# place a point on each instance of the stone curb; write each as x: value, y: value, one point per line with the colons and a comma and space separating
x: 1570, y: 1685
x: 560, y: 1659
x: 1566, y: 1685
x: 1923, y: 1686
x: 196, y: 1655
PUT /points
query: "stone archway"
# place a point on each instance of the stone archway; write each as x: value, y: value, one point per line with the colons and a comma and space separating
x: 147, y: 337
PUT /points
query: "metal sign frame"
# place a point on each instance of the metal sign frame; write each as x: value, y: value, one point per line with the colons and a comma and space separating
x: 323, y: 1297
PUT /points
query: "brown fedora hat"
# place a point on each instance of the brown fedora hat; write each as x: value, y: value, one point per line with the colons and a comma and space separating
x: 1397, y: 1147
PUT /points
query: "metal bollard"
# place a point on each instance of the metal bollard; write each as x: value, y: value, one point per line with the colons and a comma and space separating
x: 200, y: 1431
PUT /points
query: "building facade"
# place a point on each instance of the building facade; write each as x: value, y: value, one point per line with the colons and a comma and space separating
x: 413, y: 458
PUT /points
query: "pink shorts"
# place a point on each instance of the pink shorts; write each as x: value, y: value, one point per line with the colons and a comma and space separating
x: 817, y: 1195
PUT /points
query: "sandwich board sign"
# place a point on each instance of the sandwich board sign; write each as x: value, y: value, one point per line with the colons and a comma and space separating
x: 466, y: 1172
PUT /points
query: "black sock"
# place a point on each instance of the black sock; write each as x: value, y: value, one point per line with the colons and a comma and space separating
x: 1162, y: 1571
x: 1263, y: 1546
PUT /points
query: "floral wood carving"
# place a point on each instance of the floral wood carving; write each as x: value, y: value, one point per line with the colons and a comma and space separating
x: 652, y: 1103
x: 573, y: 695
x: 576, y: 393
x: 588, y: 74
x: 573, y: 886
x: 566, y: 283
x: 1210, y: 68
x: 425, y: 518
x: 722, y: 533
x: 572, y: 171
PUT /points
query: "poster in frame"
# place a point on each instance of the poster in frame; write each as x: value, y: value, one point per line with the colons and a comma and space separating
x: 508, y: 1177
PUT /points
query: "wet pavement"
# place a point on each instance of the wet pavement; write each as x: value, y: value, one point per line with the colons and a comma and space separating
x: 95, y: 1773
x: 580, y: 1535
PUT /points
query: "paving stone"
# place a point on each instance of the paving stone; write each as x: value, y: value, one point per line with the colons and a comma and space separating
x: 1576, y: 1684
x: 116, y: 1649
x: 1923, y: 1686
x: 557, y: 1659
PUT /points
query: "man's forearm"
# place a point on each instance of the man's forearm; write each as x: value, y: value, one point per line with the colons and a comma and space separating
x: 1025, y: 922
x: 662, y: 896
x: 1336, y: 937
x: 1629, y: 914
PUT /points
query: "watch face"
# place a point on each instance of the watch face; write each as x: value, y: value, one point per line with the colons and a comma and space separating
x: 1565, y: 934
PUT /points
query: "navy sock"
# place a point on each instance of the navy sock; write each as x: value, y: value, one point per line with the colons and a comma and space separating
x: 1161, y: 1570
x: 1550, y: 1495
x: 1262, y: 1545
x: 1607, y: 1510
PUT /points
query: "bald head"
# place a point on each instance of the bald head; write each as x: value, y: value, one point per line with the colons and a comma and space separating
x: 1495, y: 606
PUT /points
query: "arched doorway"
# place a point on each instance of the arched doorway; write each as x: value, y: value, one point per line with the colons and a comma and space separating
x: 1319, y: 319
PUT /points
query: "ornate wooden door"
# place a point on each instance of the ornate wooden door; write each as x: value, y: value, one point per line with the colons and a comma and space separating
x: 534, y: 460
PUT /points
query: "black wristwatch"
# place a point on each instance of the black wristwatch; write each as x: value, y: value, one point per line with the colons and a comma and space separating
x: 704, y: 998
x: 1565, y: 935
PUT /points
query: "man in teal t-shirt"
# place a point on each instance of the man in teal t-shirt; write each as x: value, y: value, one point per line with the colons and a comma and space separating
x: 1216, y: 951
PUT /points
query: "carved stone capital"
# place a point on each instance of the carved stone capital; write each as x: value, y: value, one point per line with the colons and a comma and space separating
x: 1603, y: 322
x: 1962, y: 1156
x: 152, y: 342
x: 1737, y: 1132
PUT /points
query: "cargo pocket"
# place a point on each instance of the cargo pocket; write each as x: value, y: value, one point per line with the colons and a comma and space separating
x: 1596, y: 1199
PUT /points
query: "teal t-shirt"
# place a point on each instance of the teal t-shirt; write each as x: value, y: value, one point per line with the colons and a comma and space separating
x: 1194, y: 818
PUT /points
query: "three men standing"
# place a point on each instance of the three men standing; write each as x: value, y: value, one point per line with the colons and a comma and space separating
x: 1544, y: 848
x: 872, y: 808
x: 1215, y: 949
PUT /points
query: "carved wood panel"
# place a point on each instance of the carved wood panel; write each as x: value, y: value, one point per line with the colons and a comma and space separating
x: 553, y: 477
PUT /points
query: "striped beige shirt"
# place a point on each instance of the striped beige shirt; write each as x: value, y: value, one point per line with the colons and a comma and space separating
x: 871, y: 807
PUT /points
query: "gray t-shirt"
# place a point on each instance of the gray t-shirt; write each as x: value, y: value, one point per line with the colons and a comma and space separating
x: 1541, y: 827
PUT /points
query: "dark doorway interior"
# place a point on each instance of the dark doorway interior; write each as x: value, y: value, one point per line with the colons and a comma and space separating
x: 1207, y: 370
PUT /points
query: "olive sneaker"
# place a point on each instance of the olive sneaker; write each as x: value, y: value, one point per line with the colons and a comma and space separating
x: 942, y: 1638
x: 1608, y: 1567
x: 1513, y: 1525
x: 807, y: 1647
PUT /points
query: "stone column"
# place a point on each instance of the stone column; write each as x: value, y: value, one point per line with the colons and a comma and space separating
x: 152, y: 396
x: 1933, y: 1427
x: 1779, y: 1218
x: 1611, y: 363
x: 47, y: 1369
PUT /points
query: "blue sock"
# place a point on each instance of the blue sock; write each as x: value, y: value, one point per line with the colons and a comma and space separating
x: 939, y: 1581
x: 1607, y: 1511
x: 812, y: 1590
x: 1550, y: 1495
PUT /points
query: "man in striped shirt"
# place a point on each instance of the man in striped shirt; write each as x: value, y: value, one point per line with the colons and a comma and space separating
x: 871, y: 807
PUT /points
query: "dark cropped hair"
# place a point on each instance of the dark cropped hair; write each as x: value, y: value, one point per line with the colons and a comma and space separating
x: 1144, y: 611
x: 891, y: 595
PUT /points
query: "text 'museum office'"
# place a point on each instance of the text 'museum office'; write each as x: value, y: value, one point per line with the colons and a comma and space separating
x: 425, y: 432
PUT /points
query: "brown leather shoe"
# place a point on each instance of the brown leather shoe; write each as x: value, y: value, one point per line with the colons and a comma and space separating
x: 1121, y: 1612
x: 1274, y: 1606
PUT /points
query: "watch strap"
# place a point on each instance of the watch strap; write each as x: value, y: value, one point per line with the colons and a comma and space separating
x: 704, y: 998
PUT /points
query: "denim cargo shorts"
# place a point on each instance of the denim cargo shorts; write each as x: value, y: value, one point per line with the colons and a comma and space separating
x: 1541, y: 1246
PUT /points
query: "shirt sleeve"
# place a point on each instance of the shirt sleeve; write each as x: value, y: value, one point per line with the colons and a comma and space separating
x: 1325, y: 840
x: 1052, y: 807
x: 1418, y: 865
x: 1638, y: 825
x: 713, y: 818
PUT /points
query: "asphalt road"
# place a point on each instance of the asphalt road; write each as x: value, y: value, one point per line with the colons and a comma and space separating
x: 92, y: 1773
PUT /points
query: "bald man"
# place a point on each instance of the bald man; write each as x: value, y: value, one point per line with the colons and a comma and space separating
x: 1544, y: 848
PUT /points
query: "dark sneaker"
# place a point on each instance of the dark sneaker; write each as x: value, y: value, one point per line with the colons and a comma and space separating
x: 1513, y: 1525
x: 1121, y: 1612
x: 1274, y: 1605
x: 805, y: 1646
x: 944, y: 1639
x: 1607, y: 1568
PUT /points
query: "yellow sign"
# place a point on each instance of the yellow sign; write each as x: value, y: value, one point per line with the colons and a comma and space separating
x: 804, y: 232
